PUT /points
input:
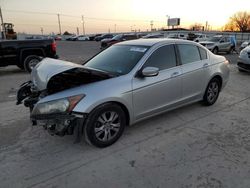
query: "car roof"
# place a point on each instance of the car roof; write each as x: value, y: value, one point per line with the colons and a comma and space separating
x: 154, y: 41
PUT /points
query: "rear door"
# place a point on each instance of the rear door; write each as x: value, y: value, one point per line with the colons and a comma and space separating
x: 195, y: 71
x: 9, y: 52
x: 225, y: 44
x: 155, y: 94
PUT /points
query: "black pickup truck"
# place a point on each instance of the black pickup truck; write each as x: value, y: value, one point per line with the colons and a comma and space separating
x: 26, y: 53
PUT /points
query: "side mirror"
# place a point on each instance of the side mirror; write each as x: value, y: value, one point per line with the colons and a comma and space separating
x: 150, y: 71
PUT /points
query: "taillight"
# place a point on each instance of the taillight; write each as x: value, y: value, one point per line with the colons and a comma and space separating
x: 227, y: 62
x: 53, y: 46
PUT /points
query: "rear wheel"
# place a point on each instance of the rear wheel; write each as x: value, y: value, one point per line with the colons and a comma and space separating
x: 212, y: 92
x: 30, y: 62
x: 215, y: 50
x: 105, y: 125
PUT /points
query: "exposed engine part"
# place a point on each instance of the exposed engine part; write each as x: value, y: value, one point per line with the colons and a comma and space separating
x: 72, y: 78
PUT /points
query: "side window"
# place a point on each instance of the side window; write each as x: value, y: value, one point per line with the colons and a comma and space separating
x: 163, y: 58
x: 203, y: 53
x: 188, y: 53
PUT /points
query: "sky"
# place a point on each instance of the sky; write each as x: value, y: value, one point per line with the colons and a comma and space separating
x: 100, y: 16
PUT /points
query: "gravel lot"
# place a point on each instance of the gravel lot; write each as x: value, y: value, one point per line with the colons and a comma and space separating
x: 194, y: 146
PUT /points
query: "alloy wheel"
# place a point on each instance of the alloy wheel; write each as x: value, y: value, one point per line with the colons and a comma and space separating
x: 107, y: 126
x: 33, y: 63
x: 213, y: 91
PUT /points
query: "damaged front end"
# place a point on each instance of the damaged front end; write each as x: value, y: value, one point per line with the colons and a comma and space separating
x: 57, y: 115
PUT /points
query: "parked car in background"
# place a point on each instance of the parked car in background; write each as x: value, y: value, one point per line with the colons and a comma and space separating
x: 72, y: 38
x: 153, y: 35
x: 57, y: 37
x: 26, y: 54
x: 104, y: 36
x: 92, y: 37
x: 191, y: 36
x: 140, y: 35
x: 201, y: 37
x: 36, y: 37
x: 244, y: 44
x: 177, y: 36
x: 82, y: 38
x: 122, y: 85
x: 244, y: 60
x: 218, y: 43
x: 118, y: 38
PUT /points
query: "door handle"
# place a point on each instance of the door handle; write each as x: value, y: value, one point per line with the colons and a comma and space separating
x: 175, y: 74
x: 205, y: 65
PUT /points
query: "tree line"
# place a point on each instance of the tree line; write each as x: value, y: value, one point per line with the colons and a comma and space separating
x: 240, y: 21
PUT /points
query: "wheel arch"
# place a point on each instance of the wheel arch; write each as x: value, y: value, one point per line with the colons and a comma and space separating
x: 30, y: 51
x: 218, y: 77
x: 123, y: 106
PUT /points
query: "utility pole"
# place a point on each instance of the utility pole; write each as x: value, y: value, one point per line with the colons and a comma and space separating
x: 3, y: 30
x: 59, y: 23
x: 77, y: 31
x: 42, y: 30
x: 151, y: 24
x: 83, y: 26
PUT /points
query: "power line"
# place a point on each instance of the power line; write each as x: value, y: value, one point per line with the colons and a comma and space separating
x: 74, y: 16
x: 29, y: 12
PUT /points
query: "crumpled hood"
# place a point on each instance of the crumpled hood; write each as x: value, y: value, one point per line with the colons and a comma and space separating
x: 48, y: 68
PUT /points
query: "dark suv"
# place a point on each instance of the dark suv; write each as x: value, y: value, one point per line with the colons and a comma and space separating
x: 118, y: 38
x: 104, y: 36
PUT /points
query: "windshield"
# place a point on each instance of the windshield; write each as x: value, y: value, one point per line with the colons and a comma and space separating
x: 117, y: 37
x: 117, y: 59
x: 215, y: 39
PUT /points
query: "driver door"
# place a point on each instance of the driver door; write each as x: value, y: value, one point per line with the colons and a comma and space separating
x: 152, y: 95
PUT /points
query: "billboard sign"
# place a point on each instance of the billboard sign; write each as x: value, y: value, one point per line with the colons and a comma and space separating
x: 174, y: 21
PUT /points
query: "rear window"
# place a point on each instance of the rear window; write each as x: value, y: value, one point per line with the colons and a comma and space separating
x: 188, y: 53
x: 203, y: 53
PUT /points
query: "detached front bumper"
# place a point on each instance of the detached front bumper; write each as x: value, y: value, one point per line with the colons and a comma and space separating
x: 61, y: 124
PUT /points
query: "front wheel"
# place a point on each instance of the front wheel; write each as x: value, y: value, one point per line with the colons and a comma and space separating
x: 105, y: 125
x: 212, y: 92
x: 30, y: 62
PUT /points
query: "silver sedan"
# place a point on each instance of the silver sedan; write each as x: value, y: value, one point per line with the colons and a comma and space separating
x: 244, y: 60
x: 120, y: 86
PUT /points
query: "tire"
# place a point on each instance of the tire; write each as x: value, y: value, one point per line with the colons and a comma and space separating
x: 30, y: 62
x: 212, y: 92
x: 105, y: 125
x: 215, y: 50
x: 230, y: 51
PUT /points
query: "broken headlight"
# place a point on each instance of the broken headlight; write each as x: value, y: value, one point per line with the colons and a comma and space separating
x: 57, y: 106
